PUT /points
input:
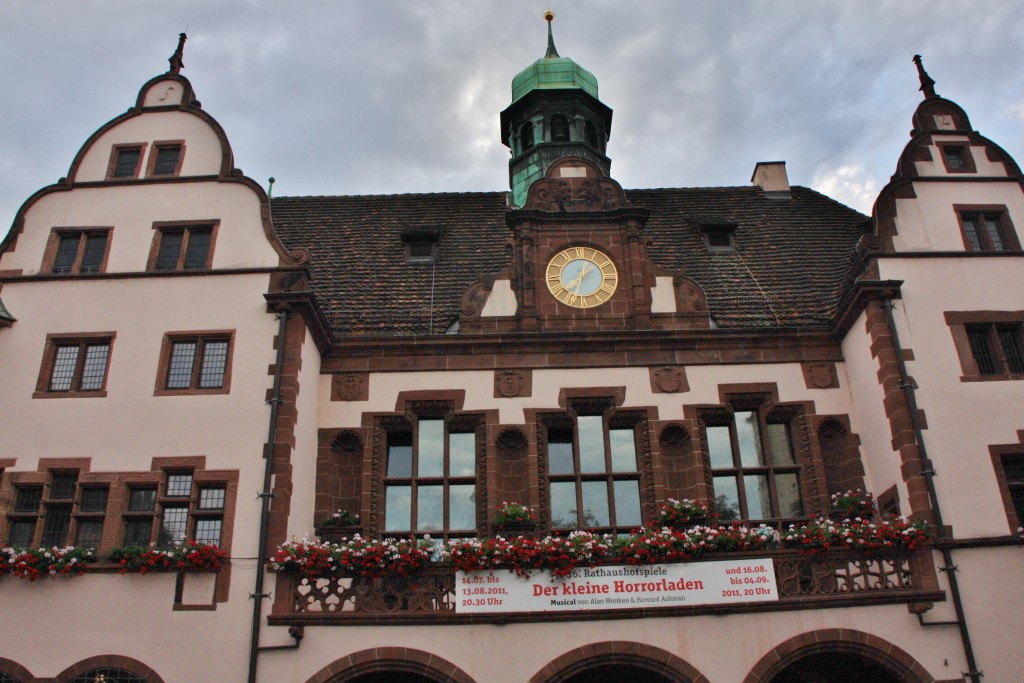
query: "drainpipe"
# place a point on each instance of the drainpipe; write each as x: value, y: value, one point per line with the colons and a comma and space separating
x: 928, y: 471
x: 265, y: 495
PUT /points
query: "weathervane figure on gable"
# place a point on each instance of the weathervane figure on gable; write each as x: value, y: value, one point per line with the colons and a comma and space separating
x: 175, y: 60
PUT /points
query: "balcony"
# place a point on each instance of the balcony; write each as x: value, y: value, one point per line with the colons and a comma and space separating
x: 838, y: 578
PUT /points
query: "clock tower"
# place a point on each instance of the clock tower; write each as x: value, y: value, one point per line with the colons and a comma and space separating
x: 554, y: 113
x: 579, y: 250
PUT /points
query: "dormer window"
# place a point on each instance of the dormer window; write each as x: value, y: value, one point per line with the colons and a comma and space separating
x: 559, y: 128
x: 421, y: 246
x: 526, y: 136
x: 718, y: 236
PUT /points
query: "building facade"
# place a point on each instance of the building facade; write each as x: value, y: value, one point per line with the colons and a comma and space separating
x: 184, y: 359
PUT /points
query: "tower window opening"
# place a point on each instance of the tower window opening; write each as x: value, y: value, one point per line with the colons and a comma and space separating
x: 590, y: 132
x: 559, y: 128
x: 526, y: 136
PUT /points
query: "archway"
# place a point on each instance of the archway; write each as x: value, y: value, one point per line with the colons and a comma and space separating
x: 835, y: 667
x: 838, y: 656
x: 605, y: 673
x: 618, y: 661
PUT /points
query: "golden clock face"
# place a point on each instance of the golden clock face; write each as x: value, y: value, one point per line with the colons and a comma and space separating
x: 581, y: 277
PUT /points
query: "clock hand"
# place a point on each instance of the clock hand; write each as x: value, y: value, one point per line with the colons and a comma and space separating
x: 578, y: 282
x: 575, y: 282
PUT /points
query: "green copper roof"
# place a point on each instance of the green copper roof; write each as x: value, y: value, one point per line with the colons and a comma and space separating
x: 553, y: 73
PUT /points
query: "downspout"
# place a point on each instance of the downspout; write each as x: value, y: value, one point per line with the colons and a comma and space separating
x: 928, y: 471
x: 265, y: 497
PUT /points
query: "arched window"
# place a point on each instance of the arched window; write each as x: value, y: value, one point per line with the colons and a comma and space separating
x: 590, y: 131
x: 559, y: 128
x: 108, y: 675
x: 526, y: 136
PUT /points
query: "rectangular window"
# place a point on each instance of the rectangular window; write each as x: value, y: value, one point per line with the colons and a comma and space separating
x: 165, y: 159
x: 182, y: 247
x: 1013, y: 469
x: 179, y: 485
x: 593, y: 475
x: 212, y: 498
x: 62, y: 485
x: 74, y: 366
x: 125, y: 161
x: 141, y: 500
x: 755, y: 474
x: 987, y: 230
x: 89, y: 534
x: 55, y: 525
x: 138, y: 531
x: 21, y: 533
x: 93, y: 500
x: 196, y: 363
x: 430, y: 479
x: 997, y: 349
x: 72, y: 252
x: 173, y: 525
x: 28, y: 499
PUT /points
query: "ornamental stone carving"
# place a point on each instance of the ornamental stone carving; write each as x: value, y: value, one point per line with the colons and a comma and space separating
x: 512, y: 383
x: 669, y: 379
x: 350, y: 386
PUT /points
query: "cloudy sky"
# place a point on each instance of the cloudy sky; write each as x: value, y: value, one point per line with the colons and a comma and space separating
x: 389, y: 96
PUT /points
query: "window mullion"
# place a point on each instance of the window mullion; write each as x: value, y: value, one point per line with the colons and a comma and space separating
x: 183, y: 249
x: 76, y: 378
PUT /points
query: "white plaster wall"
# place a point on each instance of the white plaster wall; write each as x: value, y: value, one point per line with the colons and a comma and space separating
x: 723, y: 648
x: 301, y: 521
x: 964, y: 418
x: 203, y: 151
x: 479, y: 386
x: 86, y: 616
x: 124, y: 430
x: 982, y: 165
x: 868, y: 419
x: 929, y: 223
x: 501, y: 302
x: 663, y: 295
x: 163, y: 93
x: 131, y: 212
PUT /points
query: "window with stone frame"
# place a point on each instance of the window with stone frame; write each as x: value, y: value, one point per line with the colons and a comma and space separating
x: 125, y: 161
x: 1009, y: 466
x: 74, y: 365
x: 73, y: 251
x: 593, y: 472
x: 165, y: 158
x: 430, y: 473
x: 755, y: 468
x: 182, y: 246
x: 195, y: 363
x: 957, y: 157
x: 987, y: 229
x: 69, y: 513
x: 989, y: 344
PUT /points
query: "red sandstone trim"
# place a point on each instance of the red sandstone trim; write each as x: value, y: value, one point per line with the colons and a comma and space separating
x: 390, y: 660
x: 863, y: 644
x: 639, y: 655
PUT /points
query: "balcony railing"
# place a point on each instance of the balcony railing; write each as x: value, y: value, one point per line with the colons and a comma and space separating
x: 832, y: 579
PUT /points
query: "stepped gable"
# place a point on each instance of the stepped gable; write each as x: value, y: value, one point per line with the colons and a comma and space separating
x: 796, y: 253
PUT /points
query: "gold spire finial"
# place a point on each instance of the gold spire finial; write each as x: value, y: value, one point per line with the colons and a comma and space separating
x: 549, y: 16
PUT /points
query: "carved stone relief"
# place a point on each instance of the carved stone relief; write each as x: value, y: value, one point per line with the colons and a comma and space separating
x: 669, y: 379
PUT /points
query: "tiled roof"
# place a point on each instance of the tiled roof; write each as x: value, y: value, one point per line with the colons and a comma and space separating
x: 791, y: 260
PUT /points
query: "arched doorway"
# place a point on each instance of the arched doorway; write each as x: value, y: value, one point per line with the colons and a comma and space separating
x: 392, y: 677
x: 617, y: 673
x: 836, y: 667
